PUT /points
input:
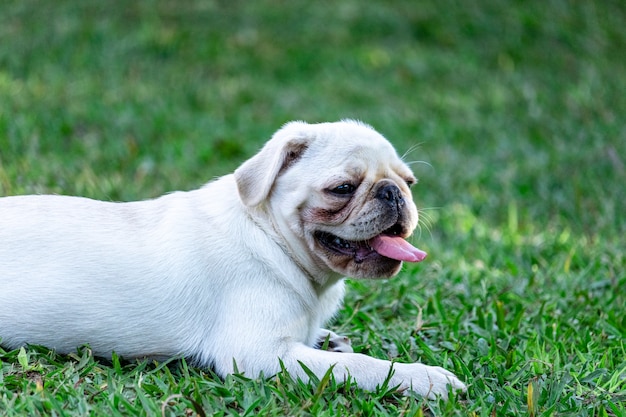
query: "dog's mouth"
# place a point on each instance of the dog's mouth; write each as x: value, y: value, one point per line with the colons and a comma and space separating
x: 389, y: 244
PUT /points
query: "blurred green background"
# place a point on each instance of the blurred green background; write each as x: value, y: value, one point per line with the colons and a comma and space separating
x: 511, y: 103
x: 511, y: 112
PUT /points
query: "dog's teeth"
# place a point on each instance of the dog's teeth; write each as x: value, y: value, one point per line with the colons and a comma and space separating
x: 341, y: 243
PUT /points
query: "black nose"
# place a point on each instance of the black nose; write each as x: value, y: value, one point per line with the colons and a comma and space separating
x: 390, y: 194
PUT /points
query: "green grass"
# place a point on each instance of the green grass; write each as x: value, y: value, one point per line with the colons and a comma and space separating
x: 517, y: 108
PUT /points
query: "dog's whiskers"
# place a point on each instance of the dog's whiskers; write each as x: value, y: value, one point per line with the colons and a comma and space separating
x: 425, y: 221
x: 410, y: 150
x: 414, y: 162
x: 418, y: 162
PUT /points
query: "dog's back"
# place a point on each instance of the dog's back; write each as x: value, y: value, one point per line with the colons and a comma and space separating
x: 115, y: 275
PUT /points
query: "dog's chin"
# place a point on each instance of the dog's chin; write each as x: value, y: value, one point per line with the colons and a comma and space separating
x: 355, y: 259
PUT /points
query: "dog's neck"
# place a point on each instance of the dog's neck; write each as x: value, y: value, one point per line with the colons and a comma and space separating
x: 317, y: 272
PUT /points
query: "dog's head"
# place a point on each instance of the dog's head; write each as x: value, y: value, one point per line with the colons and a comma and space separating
x: 337, y: 192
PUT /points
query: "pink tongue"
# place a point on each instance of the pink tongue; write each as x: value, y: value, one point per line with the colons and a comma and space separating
x: 395, y: 247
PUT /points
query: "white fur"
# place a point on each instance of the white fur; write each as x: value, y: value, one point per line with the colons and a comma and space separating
x: 198, y: 274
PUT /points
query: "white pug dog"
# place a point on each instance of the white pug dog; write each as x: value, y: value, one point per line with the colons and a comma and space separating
x: 245, y: 270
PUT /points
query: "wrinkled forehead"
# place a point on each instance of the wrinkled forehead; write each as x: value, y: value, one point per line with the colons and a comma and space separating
x: 361, y: 153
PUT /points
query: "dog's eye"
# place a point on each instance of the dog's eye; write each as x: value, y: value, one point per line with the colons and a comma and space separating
x: 411, y: 181
x: 343, y: 189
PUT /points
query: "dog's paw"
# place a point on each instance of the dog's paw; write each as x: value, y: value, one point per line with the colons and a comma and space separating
x: 427, y: 381
x: 336, y: 343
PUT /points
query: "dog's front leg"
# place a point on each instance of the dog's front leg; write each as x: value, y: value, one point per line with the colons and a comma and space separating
x: 368, y: 372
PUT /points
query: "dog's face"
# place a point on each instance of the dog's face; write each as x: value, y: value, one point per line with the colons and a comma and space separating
x: 337, y: 191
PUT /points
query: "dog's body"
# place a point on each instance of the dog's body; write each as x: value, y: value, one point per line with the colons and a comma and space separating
x: 245, y: 270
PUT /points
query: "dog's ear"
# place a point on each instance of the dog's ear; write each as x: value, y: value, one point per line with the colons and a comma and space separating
x: 256, y: 176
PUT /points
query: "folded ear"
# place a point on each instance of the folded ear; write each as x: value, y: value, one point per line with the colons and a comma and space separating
x: 256, y: 176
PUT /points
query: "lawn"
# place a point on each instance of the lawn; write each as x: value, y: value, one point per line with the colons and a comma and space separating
x: 512, y: 113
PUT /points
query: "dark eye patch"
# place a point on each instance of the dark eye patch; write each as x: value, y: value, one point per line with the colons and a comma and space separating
x: 343, y: 189
x: 410, y: 181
